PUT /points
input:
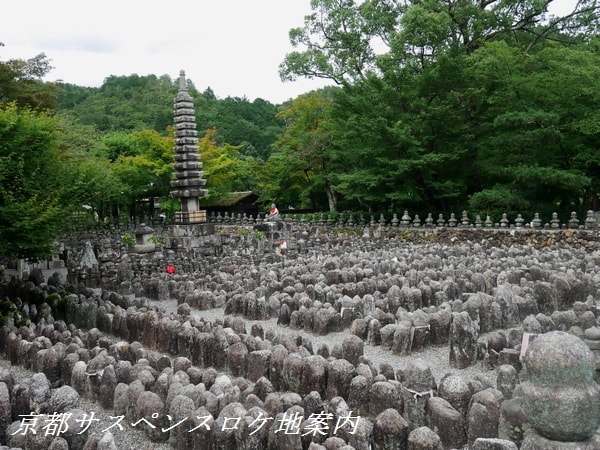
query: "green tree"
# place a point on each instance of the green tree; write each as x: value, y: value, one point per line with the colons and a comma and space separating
x: 336, y: 41
x: 122, y: 103
x: 145, y: 170
x: 379, y: 158
x: 225, y: 168
x: 70, y: 96
x: 541, y: 127
x: 421, y: 123
x: 91, y: 178
x: 250, y: 126
x: 305, y: 145
x: 159, y: 150
x: 118, y: 143
x: 283, y: 180
x: 21, y: 82
x: 132, y: 103
x: 33, y: 189
x: 344, y: 40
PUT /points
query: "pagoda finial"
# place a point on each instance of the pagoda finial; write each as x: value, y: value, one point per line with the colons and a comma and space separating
x: 182, y: 86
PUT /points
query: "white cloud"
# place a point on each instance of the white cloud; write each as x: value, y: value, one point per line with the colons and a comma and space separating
x: 74, y: 44
x: 233, y: 46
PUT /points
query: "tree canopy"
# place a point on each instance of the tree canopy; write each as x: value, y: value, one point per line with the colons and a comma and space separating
x: 455, y: 103
x: 345, y: 40
x: 299, y: 173
x: 21, y: 82
x: 34, y: 182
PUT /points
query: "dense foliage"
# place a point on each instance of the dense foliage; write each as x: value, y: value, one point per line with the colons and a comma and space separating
x: 445, y: 104
x: 439, y: 106
x: 130, y: 103
x: 34, y: 182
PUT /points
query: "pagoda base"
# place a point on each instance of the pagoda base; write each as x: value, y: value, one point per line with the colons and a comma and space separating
x: 189, y: 217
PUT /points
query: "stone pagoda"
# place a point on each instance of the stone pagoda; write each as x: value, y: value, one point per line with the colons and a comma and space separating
x: 188, y: 182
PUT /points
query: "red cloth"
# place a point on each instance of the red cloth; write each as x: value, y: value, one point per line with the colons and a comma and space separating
x: 170, y: 269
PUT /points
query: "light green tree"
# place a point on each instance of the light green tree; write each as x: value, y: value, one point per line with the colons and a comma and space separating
x: 225, y: 168
x: 305, y: 145
x: 33, y: 189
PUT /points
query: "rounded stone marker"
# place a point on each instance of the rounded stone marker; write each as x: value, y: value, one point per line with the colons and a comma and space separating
x: 560, y: 398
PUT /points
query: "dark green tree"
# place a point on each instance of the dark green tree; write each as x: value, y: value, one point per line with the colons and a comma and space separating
x: 539, y: 128
x: 21, y: 82
x: 420, y: 123
x: 251, y: 126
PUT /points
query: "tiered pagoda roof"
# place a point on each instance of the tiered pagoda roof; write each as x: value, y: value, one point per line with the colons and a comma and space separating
x: 188, y: 182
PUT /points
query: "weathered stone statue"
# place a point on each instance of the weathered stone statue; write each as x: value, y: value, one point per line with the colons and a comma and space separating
x: 273, y: 213
x: 560, y: 398
x: 88, y: 259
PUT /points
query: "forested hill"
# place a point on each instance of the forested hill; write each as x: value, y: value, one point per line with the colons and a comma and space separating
x: 134, y: 102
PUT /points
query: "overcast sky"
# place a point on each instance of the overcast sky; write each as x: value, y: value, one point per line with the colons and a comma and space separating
x: 233, y: 46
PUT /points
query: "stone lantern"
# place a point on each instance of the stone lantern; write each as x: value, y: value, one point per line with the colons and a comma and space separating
x: 143, y: 244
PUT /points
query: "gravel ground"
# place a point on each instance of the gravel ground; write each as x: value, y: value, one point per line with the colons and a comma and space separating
x: 437, y: 358
x: 134, y: 438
